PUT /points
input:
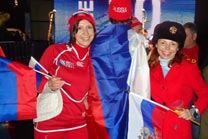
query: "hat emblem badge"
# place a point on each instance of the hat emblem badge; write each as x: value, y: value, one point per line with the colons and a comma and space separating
x: 173, y: 30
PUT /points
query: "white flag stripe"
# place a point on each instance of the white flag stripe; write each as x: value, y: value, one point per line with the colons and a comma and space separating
x: 138, y: 78
x: 33, y: 62
x: 135, y: 123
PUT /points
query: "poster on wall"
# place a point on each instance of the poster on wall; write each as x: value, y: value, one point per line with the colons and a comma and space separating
x: 150, y: 12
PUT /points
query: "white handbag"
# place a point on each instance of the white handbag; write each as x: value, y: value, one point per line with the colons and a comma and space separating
x: 49, y: 104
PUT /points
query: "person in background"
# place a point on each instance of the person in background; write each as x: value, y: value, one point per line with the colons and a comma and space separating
x: 4, y: 33
x: 191, y: 48
x: 62, y: 104
x: 9, y: 34
x: 191, y: 52
x: 173, y: 80
x: 119, y: 63
x: 136, y: 25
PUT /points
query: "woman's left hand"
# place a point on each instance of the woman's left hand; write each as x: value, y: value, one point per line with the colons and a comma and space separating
x: 55, y: 83
x: 185, y: 114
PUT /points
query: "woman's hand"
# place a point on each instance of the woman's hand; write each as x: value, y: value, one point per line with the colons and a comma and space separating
x: 55, y: 83
x: 185, y: 114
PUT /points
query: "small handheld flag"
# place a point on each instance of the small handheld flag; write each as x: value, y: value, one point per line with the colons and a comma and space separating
x: 40, y: 70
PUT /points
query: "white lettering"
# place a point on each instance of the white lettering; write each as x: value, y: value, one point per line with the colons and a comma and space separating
x: 120, y: 9
x: 86, y: 5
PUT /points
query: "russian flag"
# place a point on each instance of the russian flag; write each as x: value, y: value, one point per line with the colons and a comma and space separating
x: 39, y: 69
x: 17, y: 91
x: 141, y: 122
x: 119, y: 64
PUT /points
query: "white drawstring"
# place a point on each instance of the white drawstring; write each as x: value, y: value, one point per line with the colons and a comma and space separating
x: 59, y: 130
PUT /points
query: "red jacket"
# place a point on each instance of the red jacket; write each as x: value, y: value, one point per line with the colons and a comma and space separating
x: 191, y: 53
x: 73, y: 71
x: 179, y: 84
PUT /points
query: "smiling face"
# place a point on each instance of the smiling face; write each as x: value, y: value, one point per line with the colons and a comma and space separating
x: 85, y: 33
x: 167, y: 49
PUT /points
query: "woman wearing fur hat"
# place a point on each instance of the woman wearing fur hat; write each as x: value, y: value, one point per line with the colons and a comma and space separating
x: 173, y: 80
x: 61, y: 107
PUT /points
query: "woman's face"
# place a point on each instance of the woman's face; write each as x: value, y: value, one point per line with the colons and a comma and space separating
x: 167, y: 49
x: 85, y: 33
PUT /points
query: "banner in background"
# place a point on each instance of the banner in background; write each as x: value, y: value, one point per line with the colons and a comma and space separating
x: 150, y: 11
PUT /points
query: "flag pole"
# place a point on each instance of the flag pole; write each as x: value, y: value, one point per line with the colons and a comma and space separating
x: 31, y: 64
x: 49, y: 76
x: 164, y: 107
x: 177, y: 112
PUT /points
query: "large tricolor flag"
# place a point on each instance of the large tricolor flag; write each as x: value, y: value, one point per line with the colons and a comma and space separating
x: 17, y: 91
x: 119, y: 65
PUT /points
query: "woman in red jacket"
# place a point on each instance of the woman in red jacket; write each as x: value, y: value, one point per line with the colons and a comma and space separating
x: 173, y: 80
x: 62, y: 103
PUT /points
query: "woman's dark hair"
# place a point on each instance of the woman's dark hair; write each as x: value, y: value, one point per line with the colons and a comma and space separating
x: 113, y: 21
